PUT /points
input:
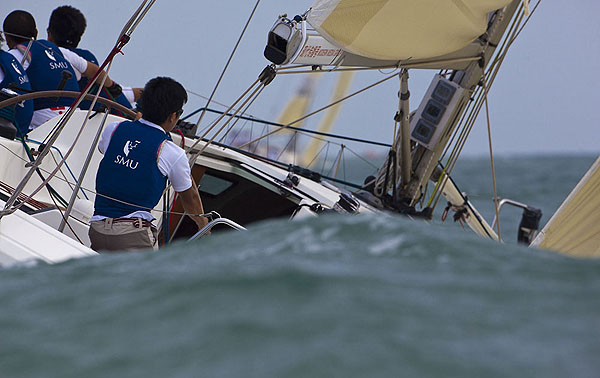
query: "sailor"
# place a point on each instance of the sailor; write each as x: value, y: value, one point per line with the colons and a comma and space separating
x: 48, y: 66
x: 139, y: 156
x: 65, y: 28
x: 13, y: 76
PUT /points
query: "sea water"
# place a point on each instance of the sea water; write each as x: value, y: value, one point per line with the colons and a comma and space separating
x: 335, y: 296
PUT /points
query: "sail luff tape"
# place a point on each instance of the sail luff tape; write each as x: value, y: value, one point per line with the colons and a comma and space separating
x: 526, y: 7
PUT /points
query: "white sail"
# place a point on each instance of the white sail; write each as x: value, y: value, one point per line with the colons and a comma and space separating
x: 402, y: 29
x: 575, y: 227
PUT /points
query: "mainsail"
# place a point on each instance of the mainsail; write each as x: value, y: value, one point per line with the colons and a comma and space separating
x: 574, y: 229
x: 402, y: 29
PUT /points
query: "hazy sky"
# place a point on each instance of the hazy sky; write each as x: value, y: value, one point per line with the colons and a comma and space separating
x: 542, y: 101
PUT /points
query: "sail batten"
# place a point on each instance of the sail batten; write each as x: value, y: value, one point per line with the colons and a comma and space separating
x: 402, y: 29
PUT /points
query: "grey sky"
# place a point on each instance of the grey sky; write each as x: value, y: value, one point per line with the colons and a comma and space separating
x: 542, y: 101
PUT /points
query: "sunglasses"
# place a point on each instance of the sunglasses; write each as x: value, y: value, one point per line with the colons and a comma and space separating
x: 179, y: 113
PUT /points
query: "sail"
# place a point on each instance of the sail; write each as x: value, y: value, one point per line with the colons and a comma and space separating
x: 298, y: 106
x: 402, y: 29
x: 574, y: 229
x: 341, y: 89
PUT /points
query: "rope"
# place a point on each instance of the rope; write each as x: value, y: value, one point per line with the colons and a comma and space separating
x: 489, y: 128
x: 122, y: 41
x: 54, y: 136
x: 33, y: 203
x: 475, y: 107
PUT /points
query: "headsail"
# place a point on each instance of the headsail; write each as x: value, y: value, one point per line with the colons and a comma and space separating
x: 574, y: 227
x: 402, y: 29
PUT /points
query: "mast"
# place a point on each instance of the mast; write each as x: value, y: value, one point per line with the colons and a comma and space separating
x: 460, y: 41
x: 404, y: 115
x: 426, y: 157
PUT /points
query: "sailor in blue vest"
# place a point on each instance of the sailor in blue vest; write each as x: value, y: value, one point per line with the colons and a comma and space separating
x: 65, y: 28
x: 139, y: 157
x: 13, y: 76
x: 47, y: 66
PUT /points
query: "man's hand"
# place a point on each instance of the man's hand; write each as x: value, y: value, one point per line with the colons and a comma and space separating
x: 190, y: 199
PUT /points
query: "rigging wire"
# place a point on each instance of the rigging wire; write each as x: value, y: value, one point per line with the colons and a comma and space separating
x: 228, y: 61
x: 122, y: 41
x: 216, y: 122
x: 310, y: 133
x: 323, y: 108
x: 204, y: 98
x: 239, y: 132
x: 250, y: 100
x: 245, y: 111
x: 361, y: 158
x: 480, y: 95
x: 316, y: 156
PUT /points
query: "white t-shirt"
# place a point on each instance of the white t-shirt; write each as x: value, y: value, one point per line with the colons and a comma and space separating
x: 79, y: 65
x: 172, y: 162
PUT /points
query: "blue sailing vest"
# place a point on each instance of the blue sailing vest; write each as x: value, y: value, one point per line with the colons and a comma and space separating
x: 45, y: 74
x: 129, y: 171
x: 14, y: 73
x: 85, y: 104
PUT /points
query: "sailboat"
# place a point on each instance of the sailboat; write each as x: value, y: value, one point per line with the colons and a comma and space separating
x: 48, y: 183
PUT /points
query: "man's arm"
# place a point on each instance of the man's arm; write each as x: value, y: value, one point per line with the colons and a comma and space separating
x: 91, y: 70
x: 192, y: 204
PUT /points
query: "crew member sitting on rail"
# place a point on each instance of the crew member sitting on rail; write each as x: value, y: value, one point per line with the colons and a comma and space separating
x: 48, y: 66
x: 13, y: 76
x: 65, y: 28
x: 139, y: 156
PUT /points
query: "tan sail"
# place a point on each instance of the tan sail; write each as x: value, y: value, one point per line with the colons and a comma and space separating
x: 402, y: 29
x: 298, y: 105
x: 343, y: 85
x: 575, y: 227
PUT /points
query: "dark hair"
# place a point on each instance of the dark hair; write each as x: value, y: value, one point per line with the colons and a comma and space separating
x: 161, y: 97
x: 67, y: 25
x: 19, y: 26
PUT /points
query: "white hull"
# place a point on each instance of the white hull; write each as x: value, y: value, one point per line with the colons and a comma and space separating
x: 24, y: 238
x: 259, y: 185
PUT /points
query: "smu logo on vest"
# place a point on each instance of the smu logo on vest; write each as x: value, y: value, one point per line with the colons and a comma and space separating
x: 22, y: 78
x: 54, y: 64
x: 14, y: 66
x: 125, y: 161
